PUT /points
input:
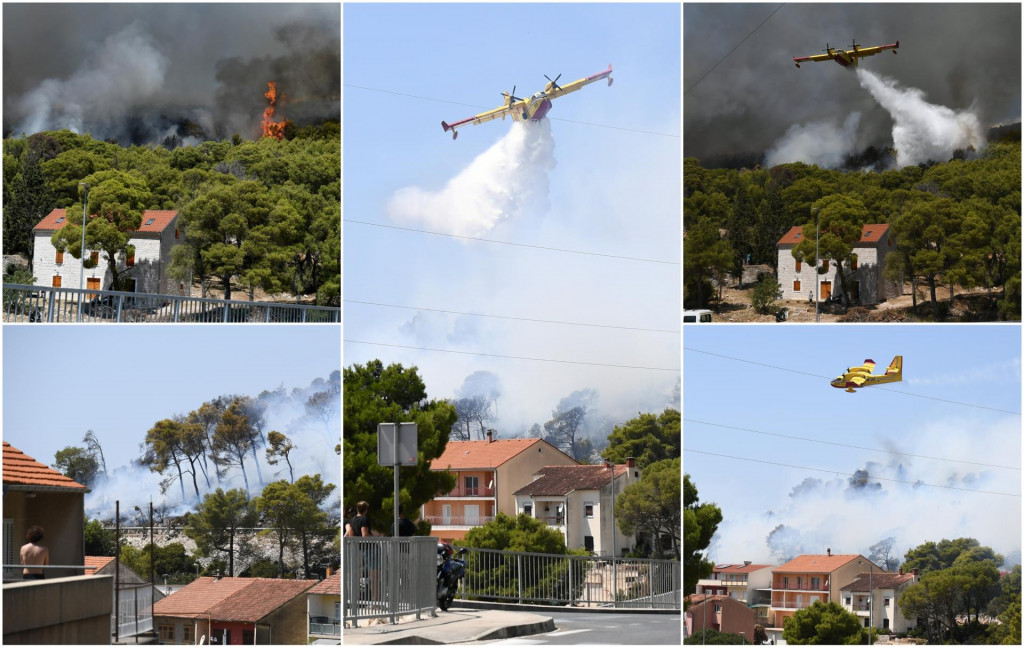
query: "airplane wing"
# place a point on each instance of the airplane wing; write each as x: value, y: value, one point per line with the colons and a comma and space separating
x: 870, y: 51
x: 817, y: 58
x: 484, y: 117
x: 857, y: 379
x: 560, y: 90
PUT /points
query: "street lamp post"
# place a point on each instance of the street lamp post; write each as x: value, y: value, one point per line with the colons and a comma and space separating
x: 817, y: 279
x: 871, y: 595
x: 81, y: 269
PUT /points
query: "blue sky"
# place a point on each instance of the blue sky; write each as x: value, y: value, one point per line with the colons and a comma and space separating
x: 943, y: 366
x: 61, y: 381
x: 611, y: 186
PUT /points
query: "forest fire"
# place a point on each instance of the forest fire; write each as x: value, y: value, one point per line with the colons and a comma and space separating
x: 270, y: 127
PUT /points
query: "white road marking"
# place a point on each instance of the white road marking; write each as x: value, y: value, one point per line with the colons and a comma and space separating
x: 571, y: 631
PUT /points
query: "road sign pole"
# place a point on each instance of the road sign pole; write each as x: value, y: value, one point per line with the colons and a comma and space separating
x: 398, y: 431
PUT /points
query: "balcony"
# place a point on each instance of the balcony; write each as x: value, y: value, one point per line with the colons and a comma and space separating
x: 319, y: 626
x: 463, y: 491
x: 793, y: 605
x: 553, y: 521
x: 472, y: 521
x: 805, y: 586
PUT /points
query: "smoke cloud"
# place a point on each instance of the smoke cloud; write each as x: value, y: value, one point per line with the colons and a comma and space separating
x: 960, y: 55
x: 849, y: 513
x: 156, y: 73
x: 821, y: 143
x: 922, y: 131
x: 507, y: 180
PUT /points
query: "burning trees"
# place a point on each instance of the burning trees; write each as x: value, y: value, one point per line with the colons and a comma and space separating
x: 270, y: 127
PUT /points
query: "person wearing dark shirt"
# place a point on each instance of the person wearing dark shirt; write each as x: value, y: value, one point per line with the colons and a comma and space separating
x: 370, y: 551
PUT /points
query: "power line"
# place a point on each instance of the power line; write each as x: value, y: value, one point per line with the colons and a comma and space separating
x: 505, y: 242
x: 879, y: 387
x: 471, y: 105
x: 856, y: 476
x: 530, y: 359
x: 734, y: 48
x: 477, y: 314
x: 826, y: 442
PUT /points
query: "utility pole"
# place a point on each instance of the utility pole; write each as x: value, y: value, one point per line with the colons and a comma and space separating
x: 817, y: 279
x: 81, y: 270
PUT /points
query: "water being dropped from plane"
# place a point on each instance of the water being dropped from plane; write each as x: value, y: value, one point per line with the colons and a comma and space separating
x: 508, y: 179
x: 922, y: 131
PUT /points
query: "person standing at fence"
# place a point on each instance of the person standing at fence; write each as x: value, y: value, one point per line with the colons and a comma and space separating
x: 370, y: 552
x: 34, y: 554
x: 406, y: 528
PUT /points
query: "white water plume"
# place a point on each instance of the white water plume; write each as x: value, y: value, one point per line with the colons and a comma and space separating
x: 922, y: 131
x: 508, y: 179
x: 820, y: 142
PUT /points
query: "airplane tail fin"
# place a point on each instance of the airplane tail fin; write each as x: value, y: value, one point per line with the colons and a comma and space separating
x: 896, y: 367
x: 455, y: 133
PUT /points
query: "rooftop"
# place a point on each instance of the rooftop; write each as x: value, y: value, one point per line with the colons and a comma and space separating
x: 868, y: 234
x: 26, y: 473
x: 238, y: 599
x: 877, y: 581
x: 471, y: 454
x: 739, y: 568
x: 559, y: 480
x: 329, y: 586
x: 816, y: 563
x: 152, y: 220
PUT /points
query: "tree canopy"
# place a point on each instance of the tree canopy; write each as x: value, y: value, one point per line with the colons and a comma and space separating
x: 822, y: 624
x: 700, y: 521
x: 375, y: 394
x: 650, y: 507
x: 953, y: 223
x: 648, y: 438
x: 254, y: 214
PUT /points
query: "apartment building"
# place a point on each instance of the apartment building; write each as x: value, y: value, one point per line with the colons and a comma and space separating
x: 747, y: 582
x: 487, y: 472
x: 882, y: 592
x: 802, y: 581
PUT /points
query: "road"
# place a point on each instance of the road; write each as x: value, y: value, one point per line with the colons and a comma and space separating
x: 605, y: 629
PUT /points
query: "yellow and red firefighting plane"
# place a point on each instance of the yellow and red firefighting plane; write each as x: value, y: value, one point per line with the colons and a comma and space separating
x: 534, y: 107
x: 860, y: 376
x: 846, y: 57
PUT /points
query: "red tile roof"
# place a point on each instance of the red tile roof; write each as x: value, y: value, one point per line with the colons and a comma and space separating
x: 330, y: 586
x: 94, y: 564
x: 878, y: 581
x: 739, y: 568
x: 57, y: 218
x: 559, y: 480
x: 259, y: 599
x: 231, y: 599
x: 868, y: 234
x: 816, y: 563
x: 199, y: 596
x: 472, y: 454
x: 26, y: 473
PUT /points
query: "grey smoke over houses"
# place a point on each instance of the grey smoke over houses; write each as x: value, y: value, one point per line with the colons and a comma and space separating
x: 960, y: 56
x: 910, y: 498
x: 140, y: 73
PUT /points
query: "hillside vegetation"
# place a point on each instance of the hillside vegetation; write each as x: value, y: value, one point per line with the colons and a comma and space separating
x: 256, y: 215
x: 956, y: 224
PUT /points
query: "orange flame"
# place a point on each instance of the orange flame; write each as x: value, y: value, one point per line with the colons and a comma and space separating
x: 270, y: 127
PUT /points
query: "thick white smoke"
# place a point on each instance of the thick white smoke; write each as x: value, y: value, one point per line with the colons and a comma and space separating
x: 824, y: 511
x: 820, y: 142
x: 922, y: 131
x: 126, y: 71
x: 508, y: 179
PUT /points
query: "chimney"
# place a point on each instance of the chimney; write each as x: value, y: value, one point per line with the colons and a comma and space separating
x: 901, y: 570
x: 490, y: 435
x: 915, y: 574
x: 746, y: 562
x: 631, y: 462
x: 607, y: 463
x: 829, y: 551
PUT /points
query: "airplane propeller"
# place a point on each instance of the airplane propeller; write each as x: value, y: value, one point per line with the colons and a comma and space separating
x: 513, y: 94
x: 554, y: 82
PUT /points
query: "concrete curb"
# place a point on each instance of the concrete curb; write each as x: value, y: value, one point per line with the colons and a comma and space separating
x: 540, y: 608
x: 515, y: 631
x: 491, y: 625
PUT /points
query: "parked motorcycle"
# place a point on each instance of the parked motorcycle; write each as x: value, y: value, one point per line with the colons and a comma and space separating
x: 450, y: 569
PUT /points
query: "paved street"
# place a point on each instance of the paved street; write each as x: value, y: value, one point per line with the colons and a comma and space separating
x: 604, y: 629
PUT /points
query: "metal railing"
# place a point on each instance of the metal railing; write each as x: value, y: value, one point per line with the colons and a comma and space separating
x: 572, y: 580
x: 324, y: 628
x: 386, y: 577
x: 453, y: 520
x: 38, y: 304
x: 804, y: 586
x: 463, y: 491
